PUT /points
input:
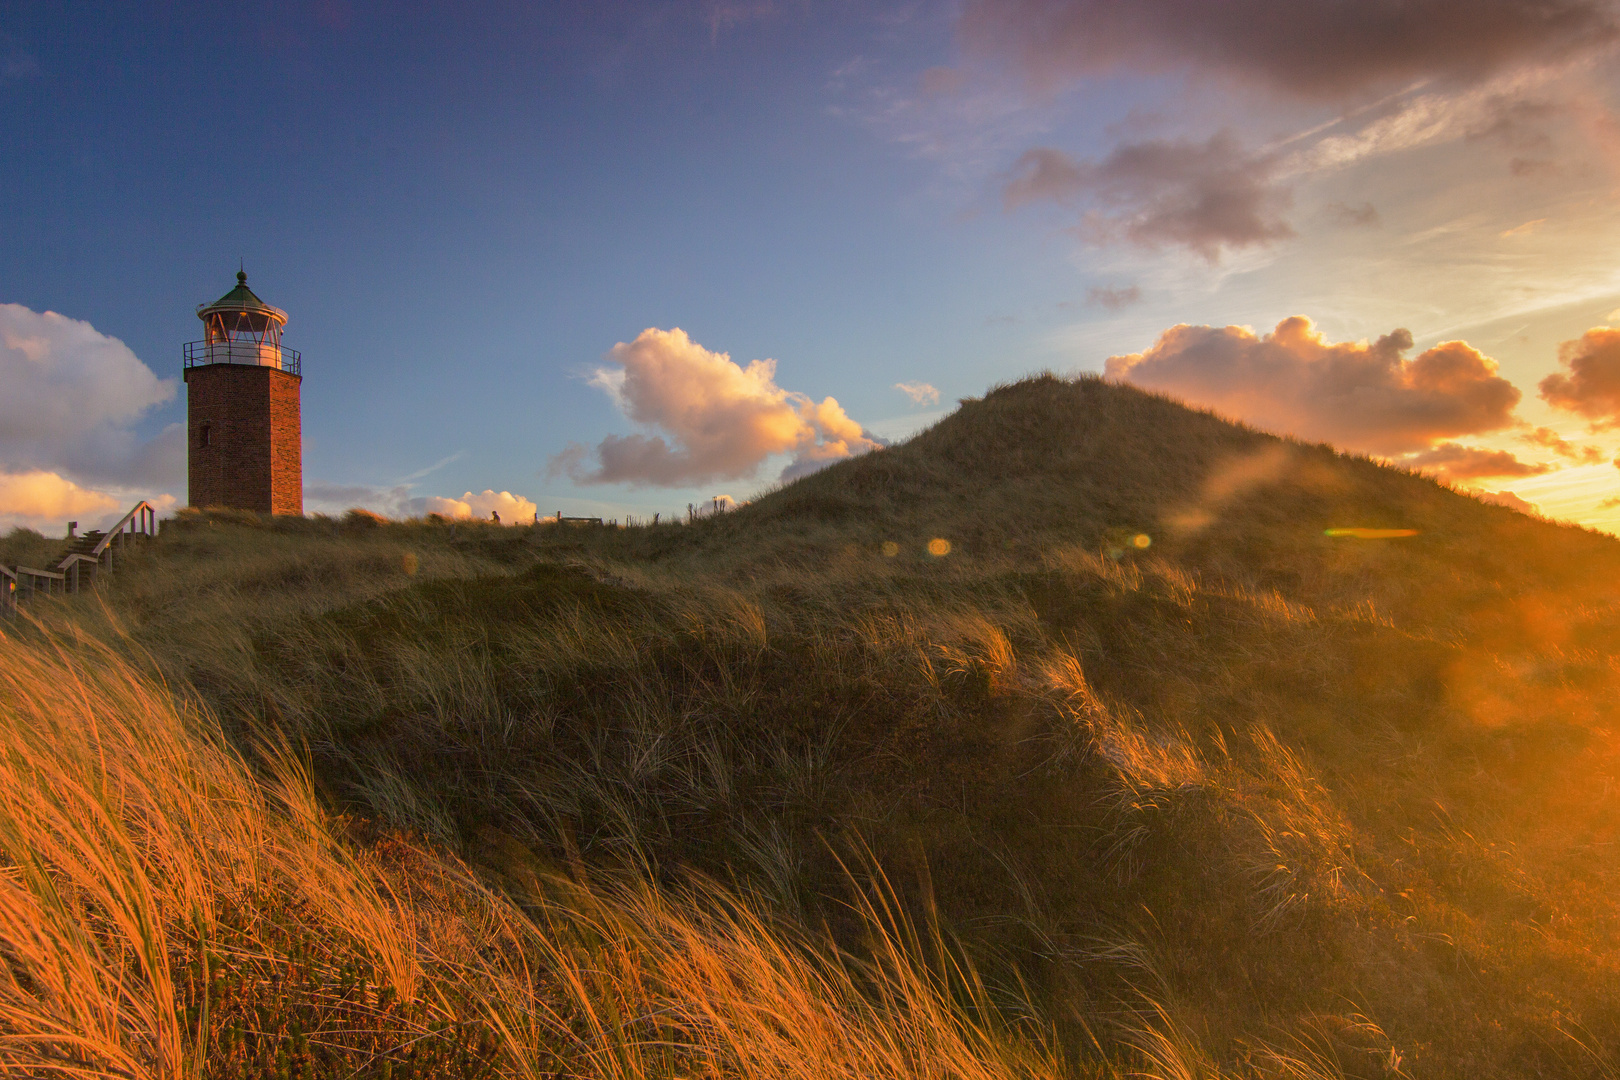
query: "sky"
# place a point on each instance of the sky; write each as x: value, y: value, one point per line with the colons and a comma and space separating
x: 616, y: 259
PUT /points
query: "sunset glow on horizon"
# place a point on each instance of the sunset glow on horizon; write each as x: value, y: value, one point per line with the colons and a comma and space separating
x: 600, y: 260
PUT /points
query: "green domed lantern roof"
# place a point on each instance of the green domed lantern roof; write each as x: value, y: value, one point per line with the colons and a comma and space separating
x: 241, y: 300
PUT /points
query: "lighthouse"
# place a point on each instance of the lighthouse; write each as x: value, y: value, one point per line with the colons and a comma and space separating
x: 245, y: 449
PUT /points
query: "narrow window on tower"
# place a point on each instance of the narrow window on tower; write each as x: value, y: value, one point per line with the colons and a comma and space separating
x: 202, y: 436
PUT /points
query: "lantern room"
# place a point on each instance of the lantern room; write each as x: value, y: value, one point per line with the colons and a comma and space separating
x: 239, y: 328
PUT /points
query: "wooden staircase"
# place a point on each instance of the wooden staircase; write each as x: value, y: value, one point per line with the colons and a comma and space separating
x: 86, y: 558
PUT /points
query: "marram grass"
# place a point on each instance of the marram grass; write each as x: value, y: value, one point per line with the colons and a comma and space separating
x: 167, y: 910
x: 784, y: 792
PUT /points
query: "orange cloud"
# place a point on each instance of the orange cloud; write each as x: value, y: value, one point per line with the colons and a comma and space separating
x: 1548, y: 438
x: 1450, y: 461
x: 47, y: 496
x: 1359, y: 395
x: 1592, y: 387
x: 722, y: 420
x: 1509, y: 500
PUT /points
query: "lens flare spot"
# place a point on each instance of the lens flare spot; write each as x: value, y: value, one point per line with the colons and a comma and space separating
x: 890, y: 549
x: 1370, y: 534
x: 939, y: 547
x: 407, y: 562
x: 1141, y: 540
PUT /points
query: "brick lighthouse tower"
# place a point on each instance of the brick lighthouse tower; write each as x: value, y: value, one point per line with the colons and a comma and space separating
x: 245, y: 448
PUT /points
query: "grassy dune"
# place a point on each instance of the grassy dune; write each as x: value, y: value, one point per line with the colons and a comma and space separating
x: 1146, y: 775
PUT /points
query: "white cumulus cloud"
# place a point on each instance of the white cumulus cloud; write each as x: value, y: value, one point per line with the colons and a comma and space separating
x: 71, y: 399
x: 715, y: 419
x: 398, y: 502
x: 71, y: 392
x: 513, y: 509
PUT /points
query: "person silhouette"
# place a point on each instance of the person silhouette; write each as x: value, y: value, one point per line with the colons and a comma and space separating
x: 495, y: 516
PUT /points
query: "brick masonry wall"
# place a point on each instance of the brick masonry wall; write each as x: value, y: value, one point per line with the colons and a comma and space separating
x: 254, y: 456
x: 286, y: 444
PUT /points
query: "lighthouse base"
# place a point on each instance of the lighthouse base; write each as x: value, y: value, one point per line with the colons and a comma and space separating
x: 244, y: 438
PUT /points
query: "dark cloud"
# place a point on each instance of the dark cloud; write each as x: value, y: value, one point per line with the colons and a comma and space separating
x: 1114, y: 297
x: 1206, y: 196
x: 1451, y: 461
x: 1357, y: 216
x: 1321, y: 49
x: 1517, y: 124
x: 1044, y: 173
x: 1360, y: 395
x: 1592, y: 387
x: 1521, y: 127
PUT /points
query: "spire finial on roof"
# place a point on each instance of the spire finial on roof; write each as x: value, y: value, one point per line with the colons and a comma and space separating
x: 241, y: 277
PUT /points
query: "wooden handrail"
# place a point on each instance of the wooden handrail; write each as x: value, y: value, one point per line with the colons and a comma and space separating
x: 14, y: 583
x: 140, y: 521
x: 32, y: 576
x: 70, y: 568
x: 146, y: 526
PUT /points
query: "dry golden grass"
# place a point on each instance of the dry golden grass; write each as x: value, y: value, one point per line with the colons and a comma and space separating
x: 167, y: 911
x: 1248, y: 801
x: 26, y: 547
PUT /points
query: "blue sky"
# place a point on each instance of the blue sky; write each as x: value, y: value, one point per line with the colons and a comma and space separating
x: 465, y: 208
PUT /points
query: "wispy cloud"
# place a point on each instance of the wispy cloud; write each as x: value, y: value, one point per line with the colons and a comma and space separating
x: 433, y: 468
x: 1522, y: 230
x: 920, y: 393
x: 1362, y: 215
x: 1114, y: 297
